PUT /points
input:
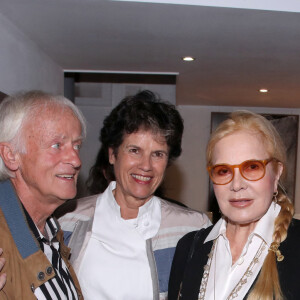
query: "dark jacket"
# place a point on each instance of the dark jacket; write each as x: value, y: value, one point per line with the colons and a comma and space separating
x: 191, y: 256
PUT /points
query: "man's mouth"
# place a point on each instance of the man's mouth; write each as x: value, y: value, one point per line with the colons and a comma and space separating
x: 66, y: 176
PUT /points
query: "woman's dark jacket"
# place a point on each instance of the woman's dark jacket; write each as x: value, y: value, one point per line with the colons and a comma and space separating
x: 192, y: 254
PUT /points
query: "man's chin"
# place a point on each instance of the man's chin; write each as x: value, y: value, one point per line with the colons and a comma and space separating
x: 67, y: 197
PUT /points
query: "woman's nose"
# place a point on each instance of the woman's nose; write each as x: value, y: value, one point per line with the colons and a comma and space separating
x: 146, y: 163
x: 238, y: 182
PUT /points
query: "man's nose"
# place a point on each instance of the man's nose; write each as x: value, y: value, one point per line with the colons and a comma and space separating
x: 72, y: 157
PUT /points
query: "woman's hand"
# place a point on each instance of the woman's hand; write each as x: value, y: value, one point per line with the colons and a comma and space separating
x: 2, y: 276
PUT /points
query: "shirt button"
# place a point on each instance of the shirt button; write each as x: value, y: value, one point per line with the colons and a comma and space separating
x: 241, y: 260
x: 41, y: 276
x: 49, y: 270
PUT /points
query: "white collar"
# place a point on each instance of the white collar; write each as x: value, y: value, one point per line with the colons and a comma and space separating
x: 148, y: 220
x: 263, y: 229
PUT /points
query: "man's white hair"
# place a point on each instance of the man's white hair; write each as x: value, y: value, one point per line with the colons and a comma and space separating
x: 18, y: 109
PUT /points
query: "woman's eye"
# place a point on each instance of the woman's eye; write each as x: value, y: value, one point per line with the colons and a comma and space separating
x: 222, y: 171
x: 133, y: 150
x: 252, y: 167
x: 158, y: 154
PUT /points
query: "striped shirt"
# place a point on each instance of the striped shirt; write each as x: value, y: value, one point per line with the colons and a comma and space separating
x: 61, y: 286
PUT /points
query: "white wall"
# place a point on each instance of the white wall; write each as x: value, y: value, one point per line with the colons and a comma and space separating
x: 187, y: 180
x: 23, y: 66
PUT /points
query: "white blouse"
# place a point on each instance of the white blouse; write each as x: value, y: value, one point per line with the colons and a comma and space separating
x: 115, y: 265
x: 227, y: 281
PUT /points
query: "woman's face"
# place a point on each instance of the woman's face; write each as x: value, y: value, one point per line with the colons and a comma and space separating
x: 139, y: 167
x: 243, y: 201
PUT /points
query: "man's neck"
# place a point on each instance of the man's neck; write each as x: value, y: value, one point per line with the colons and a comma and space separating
x: 38, y: 209
x: 38, y: 217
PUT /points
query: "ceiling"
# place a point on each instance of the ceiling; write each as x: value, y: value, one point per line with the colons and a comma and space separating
x: 237, y: 50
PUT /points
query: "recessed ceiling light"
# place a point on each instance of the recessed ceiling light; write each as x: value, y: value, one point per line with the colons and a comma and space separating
x: 263, y: 90
x: 188, y: 58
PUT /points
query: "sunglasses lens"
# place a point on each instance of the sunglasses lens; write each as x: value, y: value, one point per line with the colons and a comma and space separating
x: 253, y: 170
x: 221, y: 174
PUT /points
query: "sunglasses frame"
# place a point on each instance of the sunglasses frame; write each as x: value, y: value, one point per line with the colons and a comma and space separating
x: 264, y: 162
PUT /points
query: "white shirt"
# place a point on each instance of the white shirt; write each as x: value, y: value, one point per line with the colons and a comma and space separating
x: 225, y: 277
x: 115, y: 264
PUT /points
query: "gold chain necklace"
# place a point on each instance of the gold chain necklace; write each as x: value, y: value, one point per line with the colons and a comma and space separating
x: 248, y: 273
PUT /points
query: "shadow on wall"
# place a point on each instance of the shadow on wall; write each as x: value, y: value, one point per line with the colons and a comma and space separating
x: 173, y: 183
x: 81, y: 187
x: 2, y: 96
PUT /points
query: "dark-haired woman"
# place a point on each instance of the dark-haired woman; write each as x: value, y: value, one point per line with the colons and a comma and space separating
x: 123, y: 240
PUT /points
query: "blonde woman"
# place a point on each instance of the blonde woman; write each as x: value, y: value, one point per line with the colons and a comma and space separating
x: 253, y: 251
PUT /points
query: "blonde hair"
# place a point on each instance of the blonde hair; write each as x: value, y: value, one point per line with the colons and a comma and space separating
x: 267, y: 286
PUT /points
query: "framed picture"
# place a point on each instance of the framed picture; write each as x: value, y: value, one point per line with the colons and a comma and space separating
x: 287, y: 126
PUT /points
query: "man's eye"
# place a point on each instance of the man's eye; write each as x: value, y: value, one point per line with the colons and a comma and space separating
x: 56, y: 146
x: 77, y: 147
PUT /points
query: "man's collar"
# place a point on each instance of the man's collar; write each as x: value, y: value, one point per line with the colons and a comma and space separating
x: 51, y: 227
x: 16, y: 220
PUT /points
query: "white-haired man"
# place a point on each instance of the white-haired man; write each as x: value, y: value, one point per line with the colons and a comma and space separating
x: 40, y: 139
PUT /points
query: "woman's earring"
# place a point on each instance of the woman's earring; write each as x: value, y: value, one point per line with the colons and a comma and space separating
x: 275, y: 200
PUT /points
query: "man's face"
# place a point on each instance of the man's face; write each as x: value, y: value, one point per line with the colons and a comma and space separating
x: 49, y: 169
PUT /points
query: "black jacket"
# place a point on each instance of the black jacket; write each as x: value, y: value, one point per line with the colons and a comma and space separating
x: 191, y: 256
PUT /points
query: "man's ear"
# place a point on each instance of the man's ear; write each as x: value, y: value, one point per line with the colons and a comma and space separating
x: 9, y: 156
x: 111, y: 156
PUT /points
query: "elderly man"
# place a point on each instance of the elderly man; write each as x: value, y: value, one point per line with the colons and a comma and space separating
x: 123, y: 240
x: 40, y: 138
